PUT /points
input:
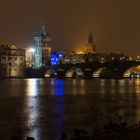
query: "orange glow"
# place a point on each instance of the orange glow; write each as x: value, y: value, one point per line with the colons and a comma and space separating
x: 79, y: 52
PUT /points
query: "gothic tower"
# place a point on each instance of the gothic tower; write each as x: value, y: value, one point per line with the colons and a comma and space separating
x: 90, y: 46
x: 43, y: 41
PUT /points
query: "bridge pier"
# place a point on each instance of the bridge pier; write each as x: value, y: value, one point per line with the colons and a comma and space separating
x: 60, y: 73
x: 88, y: 73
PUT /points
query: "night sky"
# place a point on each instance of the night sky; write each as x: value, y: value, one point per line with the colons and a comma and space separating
x: 114, y: 23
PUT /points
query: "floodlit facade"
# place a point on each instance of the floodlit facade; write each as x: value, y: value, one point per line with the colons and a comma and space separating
x: 29, y: 57
x: 12, y: 61
x: 43, y: 41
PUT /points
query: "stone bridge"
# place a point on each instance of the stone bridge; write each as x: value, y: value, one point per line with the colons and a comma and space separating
x: 114, y: 69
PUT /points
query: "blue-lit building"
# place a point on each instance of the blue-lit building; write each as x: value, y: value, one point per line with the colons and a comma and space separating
x: 56, y: 58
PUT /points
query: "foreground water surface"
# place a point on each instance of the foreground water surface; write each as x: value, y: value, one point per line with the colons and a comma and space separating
x: 43, y: 108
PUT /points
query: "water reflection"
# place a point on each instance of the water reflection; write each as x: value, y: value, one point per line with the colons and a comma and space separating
x: 31, y: 89
x: 57, y: 87
x: 60, y: 87
x: 53, y: 105
x: 113, y: 82
x: 74, y: 89
x: 32, y: 103
x: 102, y: 83
x: 122, y: 86
x: 82, y: 87
x: 78, y: 87
x: 57, y: 90
x: 118, y: 86
x: 137, y: 86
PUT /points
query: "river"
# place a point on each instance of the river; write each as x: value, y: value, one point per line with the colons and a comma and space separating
x: 43, y: 108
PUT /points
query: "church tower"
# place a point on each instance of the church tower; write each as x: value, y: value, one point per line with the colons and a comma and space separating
x: 43, y: 41
x: 90, y: 46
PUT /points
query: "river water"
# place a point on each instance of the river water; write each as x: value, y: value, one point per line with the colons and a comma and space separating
x: 43, y: 108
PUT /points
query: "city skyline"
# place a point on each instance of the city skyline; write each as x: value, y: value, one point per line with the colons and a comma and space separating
x: 115, y: 25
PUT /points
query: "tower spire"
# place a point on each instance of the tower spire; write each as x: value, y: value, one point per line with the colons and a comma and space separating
x: 42, y: 48
x: 90, y: 38
x: 90, y: 47
x: 43, y: 30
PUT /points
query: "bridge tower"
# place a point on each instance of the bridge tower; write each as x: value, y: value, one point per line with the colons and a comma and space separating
x: 90, y: 46
x: 43, y: 41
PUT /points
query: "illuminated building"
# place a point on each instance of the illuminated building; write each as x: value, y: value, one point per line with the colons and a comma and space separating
x: 42, y: 48
x: 98, y: 57
x: 67, y: 59
x: 90, y: 47
x: 29, y: 57
x: 56, y: 58
x: 77, y: 58
x: 113, y: 56
x: 12, y: 61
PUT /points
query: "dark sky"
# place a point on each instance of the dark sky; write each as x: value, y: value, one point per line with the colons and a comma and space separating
x: 114, y: 23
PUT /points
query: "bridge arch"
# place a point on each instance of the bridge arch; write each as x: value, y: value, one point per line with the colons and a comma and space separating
x: 102, y: 72
x: 74, y: 72
x: 132, y: 71
x: 50, y: 73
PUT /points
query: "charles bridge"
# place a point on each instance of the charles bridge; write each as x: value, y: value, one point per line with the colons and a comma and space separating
x: 112, y: 69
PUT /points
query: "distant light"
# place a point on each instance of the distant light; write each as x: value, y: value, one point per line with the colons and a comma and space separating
x: 60, y: 55
x: 80, y: 52
x: 130, y: 58
x: 55, y: 58
x: 32, y: 50
x: 138, y: 58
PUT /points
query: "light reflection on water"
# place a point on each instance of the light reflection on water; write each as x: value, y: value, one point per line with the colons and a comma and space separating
x: 82, y: 87
x: 137, y: 86
x: 32, y: 88
x: 57, y: 87
x: 32, y: 108
x: 78, y: 87
x: 54, y: 105
x: 119, y: 94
